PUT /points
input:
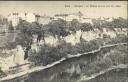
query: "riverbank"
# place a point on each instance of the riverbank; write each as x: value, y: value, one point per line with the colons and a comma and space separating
x: 85, y: 78
x: 39, y: 68
x: 34, y: 69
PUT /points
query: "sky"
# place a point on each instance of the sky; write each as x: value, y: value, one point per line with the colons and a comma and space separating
x: 102, y: 8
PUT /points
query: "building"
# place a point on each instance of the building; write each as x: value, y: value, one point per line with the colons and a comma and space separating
x: 32, y: 17
x: 6, y: 61
x: 69, y: 17
x: 87, y: 20
x: 10, y: 59
x: 43, y: 19
x: 109, y: 19
x: 15, y: 17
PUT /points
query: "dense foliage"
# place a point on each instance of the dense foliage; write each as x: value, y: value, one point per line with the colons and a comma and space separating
x: 48, y: 54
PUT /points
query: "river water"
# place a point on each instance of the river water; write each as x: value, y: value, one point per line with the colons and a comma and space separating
x: 115, y: 75
x: 66, y: 70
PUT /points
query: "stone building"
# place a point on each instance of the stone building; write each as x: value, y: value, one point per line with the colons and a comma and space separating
x: 10, y: 59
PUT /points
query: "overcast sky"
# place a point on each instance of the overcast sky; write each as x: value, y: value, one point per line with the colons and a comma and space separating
x: 58, y: 7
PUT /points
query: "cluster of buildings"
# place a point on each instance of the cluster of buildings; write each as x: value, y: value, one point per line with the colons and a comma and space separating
x: 14, y: 18
x: 32, y: 17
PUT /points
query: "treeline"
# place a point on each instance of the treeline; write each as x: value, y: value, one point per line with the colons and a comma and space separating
x: 61, y: 28
x: 3, y: 20
x: 115, y: 23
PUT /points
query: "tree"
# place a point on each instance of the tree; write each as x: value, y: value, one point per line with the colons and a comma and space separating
x: 57, y: 28
x: 10, y: 27
x: 74, y: 25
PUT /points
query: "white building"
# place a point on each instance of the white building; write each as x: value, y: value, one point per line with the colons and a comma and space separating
x: 15, y: 17
x: 87, y: 20
x: 44, y: 19
x: 19, y: 56
x: 69, y: 17
x: 61, y: 16
x: 110, y: 19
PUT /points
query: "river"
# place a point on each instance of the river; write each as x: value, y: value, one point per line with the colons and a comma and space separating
x: 63, y: 72
x: 115, y: 75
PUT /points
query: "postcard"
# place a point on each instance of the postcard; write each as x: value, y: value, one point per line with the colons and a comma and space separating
x: 63, y: 41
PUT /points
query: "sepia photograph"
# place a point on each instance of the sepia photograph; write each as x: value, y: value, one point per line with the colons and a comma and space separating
x: 63, y: 41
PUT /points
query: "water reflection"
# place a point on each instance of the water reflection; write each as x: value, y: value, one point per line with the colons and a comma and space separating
x: 116, y: 75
